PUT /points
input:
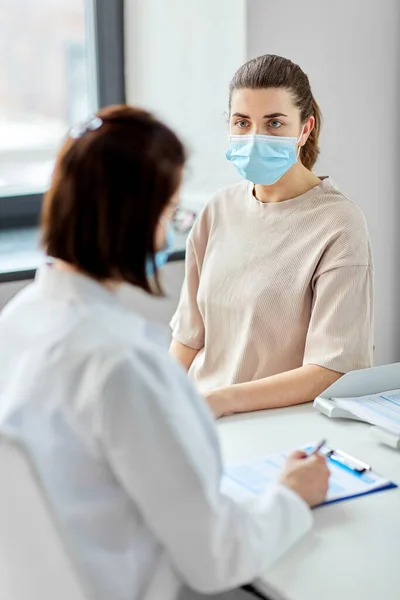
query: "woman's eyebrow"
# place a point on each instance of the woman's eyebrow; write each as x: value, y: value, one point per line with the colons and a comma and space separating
x: 274, y: 115
x: 271, y: 116
x: 236, y: 114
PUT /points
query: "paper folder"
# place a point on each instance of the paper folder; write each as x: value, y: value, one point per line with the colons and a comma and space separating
x: 362, y: 383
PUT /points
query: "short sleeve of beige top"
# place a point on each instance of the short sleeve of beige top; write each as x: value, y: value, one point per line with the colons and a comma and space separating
x: 272, y: 287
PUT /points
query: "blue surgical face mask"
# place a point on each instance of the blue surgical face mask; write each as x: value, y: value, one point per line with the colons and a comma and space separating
x: 263, y: 159
x: 161, y: 257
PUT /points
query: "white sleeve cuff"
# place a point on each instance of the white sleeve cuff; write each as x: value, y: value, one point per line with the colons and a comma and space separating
x: 301, y: 511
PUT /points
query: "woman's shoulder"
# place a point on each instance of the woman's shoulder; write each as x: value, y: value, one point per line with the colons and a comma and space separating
x: 223, y: 200
x: 144, y: 368
x: 229, y: 193
x: 340, y: 208
x: 119, y: 330
x: 345, y: 227
x: 120, y: 343
x: 225, y: 197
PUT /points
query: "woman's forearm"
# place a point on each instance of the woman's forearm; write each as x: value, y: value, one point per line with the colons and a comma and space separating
x: 183, y: 354
x: 286, y: 389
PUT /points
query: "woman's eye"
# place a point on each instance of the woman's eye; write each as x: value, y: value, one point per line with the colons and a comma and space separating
x: 275, y: 124
x: 241, y: 124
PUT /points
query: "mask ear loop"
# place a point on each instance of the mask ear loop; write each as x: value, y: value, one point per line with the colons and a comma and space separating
x: 297, y: 141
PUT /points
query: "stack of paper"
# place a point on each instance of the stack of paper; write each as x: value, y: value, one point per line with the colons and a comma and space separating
x: 382, y: 409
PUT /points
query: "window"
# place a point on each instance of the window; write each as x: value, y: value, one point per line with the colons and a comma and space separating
x: 180, y: 57
x: 59, y: 61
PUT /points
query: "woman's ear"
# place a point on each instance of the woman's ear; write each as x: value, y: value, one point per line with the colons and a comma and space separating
x: 307, y: 129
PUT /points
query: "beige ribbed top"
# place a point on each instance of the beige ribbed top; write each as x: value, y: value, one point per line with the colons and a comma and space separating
x: 271, y: 287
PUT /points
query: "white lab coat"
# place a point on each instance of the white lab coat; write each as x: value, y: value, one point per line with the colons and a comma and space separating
x: 127, y: 451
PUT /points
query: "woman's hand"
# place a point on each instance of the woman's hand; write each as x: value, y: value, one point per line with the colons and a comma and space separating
x: 224, y: 401
x: 308, y: 476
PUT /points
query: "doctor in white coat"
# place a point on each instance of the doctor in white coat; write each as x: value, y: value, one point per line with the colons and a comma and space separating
x: 126, y: 450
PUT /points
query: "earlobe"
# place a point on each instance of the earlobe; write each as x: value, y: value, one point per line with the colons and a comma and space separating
x: 305, y: 137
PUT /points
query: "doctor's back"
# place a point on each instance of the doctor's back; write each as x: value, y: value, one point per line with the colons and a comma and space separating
x: 125, y: 449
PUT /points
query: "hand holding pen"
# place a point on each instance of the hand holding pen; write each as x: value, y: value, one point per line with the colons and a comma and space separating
x: 307, y: 475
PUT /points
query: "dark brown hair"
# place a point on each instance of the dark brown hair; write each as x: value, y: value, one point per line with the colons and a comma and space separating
x: 270, y: 71
x: 113, y: 180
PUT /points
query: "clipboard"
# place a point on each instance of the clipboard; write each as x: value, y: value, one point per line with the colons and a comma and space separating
x: 338, y: 459
x: 350, y: 477
x: 362, y: 383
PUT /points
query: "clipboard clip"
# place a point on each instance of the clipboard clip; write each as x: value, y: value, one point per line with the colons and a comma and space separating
x: 345, y: 460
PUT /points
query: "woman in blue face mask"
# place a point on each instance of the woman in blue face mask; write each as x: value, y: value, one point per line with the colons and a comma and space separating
x: 277, y: 301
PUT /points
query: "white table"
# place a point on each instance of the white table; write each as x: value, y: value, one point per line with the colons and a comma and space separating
x: 353, y: 553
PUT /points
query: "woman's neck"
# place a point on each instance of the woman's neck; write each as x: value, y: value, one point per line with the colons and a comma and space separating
x: 297, y: 181
x: 61, y: 265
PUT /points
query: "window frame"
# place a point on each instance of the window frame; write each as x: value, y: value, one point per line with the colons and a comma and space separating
x: 107, y: 27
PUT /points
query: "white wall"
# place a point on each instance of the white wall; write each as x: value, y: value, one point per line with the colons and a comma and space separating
x: 351, y: 51
x: 180, y: 57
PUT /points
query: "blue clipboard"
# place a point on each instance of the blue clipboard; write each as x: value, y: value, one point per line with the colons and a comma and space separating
x: 338, y: 460
x: 350, y: 478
